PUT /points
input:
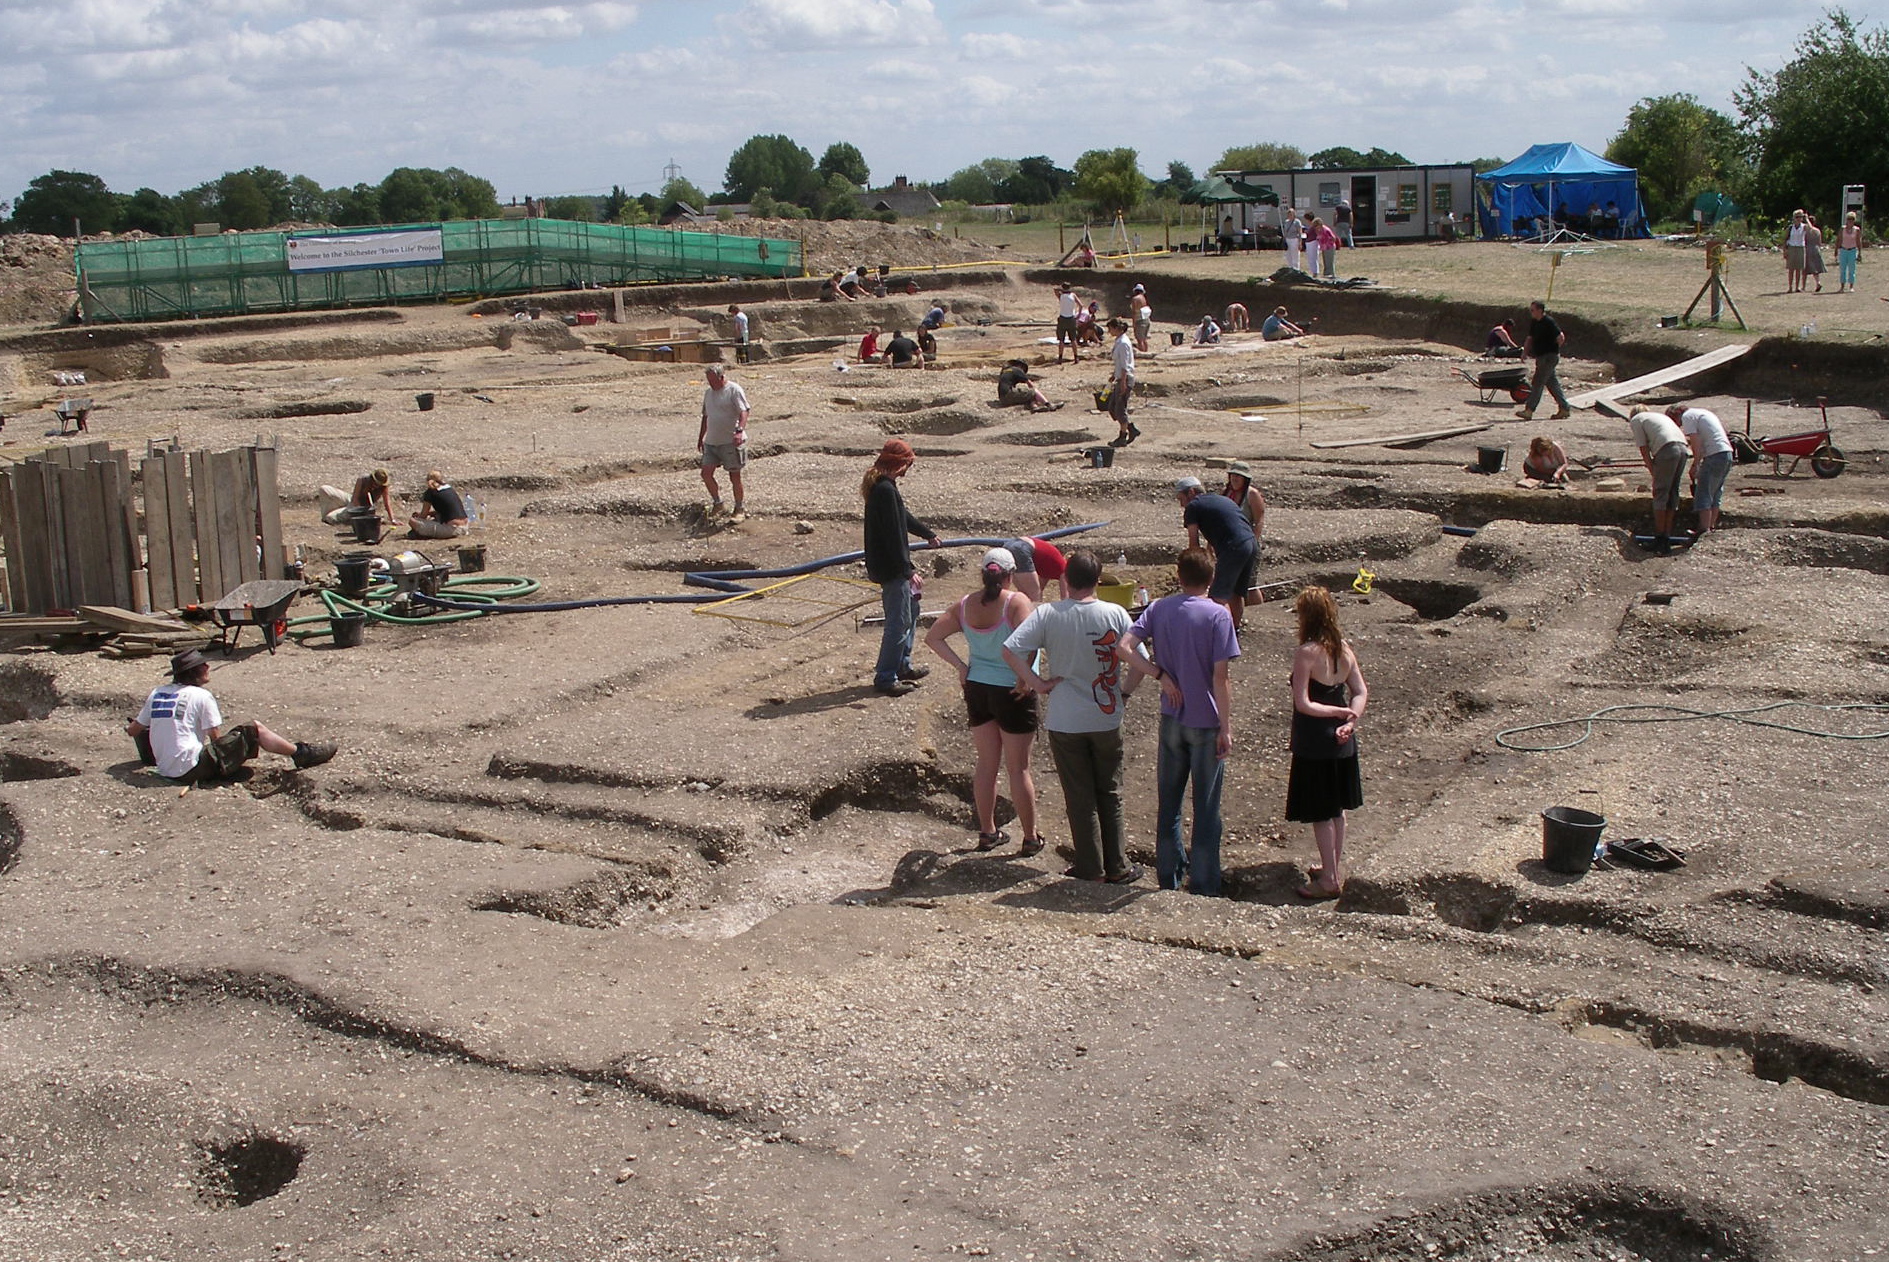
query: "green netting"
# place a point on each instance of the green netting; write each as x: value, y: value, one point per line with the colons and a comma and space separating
x: 239, y: 273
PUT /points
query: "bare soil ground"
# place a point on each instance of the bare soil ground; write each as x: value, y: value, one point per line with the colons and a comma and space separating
x: 637, y: 933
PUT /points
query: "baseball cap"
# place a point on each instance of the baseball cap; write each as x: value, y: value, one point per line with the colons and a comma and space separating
x: 1000, y: 559
x: 1188, y: 484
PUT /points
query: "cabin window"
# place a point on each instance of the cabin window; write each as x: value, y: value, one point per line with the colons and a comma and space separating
x: 1406, y: 197
x: 1442, y: 199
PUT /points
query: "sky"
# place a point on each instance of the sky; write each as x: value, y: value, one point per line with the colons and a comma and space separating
x: 551, y: 98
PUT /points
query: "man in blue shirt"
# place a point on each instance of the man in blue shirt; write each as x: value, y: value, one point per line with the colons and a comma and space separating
x: 1228, y: 533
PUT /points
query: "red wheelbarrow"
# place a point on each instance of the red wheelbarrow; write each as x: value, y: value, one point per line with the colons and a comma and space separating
x: 1826, y: 458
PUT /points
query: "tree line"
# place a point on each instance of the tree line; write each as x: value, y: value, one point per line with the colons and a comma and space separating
x: 1802, y: 132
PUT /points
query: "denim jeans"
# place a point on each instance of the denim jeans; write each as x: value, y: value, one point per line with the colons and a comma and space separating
x: 1089, y: 764
x: 900, y: 603
x: 1188, y: 753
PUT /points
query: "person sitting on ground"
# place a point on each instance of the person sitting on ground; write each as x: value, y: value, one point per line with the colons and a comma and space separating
x: 1085, y: 256
x: 370, y: 489
x: 903, y: 352
x: 911, y: 287
x: 1208, y: 333
x: 1234, y: 321
x: 179, y: 732
x: 442, y: 512
x: 830, y: 289
x: 1016, y: 389
x: 1501, y: 343
x: 927, y: 345
x: 1278, y: 329
x: 1545, y: 462
x: 1089, y: 325
x: 934, y: 318
x: 869, y: 346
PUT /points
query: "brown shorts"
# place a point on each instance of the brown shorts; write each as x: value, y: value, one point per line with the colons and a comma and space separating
x: 993, y: 703
x: 225, y: 755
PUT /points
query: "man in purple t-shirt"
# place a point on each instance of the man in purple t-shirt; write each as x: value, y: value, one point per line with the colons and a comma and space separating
x: 1192, y: 639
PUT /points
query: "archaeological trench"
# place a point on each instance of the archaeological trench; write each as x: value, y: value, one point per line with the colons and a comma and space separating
x: 638, y: 932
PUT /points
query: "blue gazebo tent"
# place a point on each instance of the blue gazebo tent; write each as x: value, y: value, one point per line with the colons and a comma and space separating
x: 1563, y: 180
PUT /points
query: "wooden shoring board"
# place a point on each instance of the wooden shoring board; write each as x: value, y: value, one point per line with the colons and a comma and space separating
x: 268, y: 509
x: 1394, y: 440
x: 31, y: 569
x: 12, y: 590
x: 157, y: 534
x: 210, y: 584
x: 111, y: 490
x: 248, y: 563
x: 88, y: 553
x: 1664, y: 376
x: 128, y: 513
x: 58, y: 551
x: 180, y: 536
x: 235, y: 535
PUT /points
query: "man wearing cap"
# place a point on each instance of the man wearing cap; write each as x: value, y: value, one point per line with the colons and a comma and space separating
x: 1193, y: 640
x: 1240, y: 489
x: 1038, y: 562
x: 889, y: 564
x: 180, y: 731
x: 1067, y: 304
x: 1664, y: 449
x: 722, y: 441
x: 1082, y: 677
x: 369, y: 489
x: 1235, y: 549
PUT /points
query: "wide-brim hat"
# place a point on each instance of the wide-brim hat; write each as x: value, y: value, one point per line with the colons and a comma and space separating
x: 1240, y: 467
x: 187, y: 661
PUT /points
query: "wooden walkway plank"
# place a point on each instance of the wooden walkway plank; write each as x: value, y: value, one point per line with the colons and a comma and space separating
x: 210, y: 583
x: 268, y: 510
x: 1397, y: 440
x: 1664, y: 376
x: 157, y: 534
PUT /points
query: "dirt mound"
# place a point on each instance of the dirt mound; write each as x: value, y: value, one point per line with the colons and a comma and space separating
x: 35, y: 278
x: 838, y: 244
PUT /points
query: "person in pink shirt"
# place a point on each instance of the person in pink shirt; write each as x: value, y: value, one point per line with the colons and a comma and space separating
x: 1327, y: 249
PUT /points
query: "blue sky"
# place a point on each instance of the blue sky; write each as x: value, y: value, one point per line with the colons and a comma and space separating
x: 552, y: 98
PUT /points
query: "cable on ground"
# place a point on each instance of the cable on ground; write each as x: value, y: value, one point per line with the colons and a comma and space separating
x: 1659, y: 713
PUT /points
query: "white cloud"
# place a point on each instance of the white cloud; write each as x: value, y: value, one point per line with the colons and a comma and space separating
x: 988, y: 46
x: 837, y: 23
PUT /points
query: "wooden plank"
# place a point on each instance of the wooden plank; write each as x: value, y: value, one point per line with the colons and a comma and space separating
x: 58, y: 551
x: 118, y: 618
x: 43, y: 626
x: 88, y: 555
x: 182, y: 536
x: 128, y: 518
x: 268, y: 510
x: 34, y: 575
x: 13, y: 589
x: 157, y: 534
x: 106, y: 475
x: 1664, y: 376
x: 1394, y: 440
x: 232, y: 532
x: 248, y: 563
x: 210, y: 583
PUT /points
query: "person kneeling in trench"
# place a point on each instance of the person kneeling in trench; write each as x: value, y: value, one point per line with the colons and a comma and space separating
x: 180, y: 731
x: 442, y: 512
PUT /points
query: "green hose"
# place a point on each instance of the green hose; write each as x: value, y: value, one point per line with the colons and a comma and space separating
x: 483, y: 589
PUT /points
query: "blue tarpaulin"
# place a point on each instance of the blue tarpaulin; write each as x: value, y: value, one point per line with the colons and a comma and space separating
x: 1568, y: 181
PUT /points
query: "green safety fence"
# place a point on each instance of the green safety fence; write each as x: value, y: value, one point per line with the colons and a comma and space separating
x: 241, y: 273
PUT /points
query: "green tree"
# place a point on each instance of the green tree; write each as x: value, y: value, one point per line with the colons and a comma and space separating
x: 613, y: 204
x: 1036, y: 182
x: 465, y: 196
x: 775, y: 163
x: 844, y: 159
x: 680, y: 190
x: 1339, y: 157
x: 1483, y: 165
x: 309, y: 202
x: 1818, y: 121
x: 1266, y: 156
x: 407, y: 196
x: 53, y: 200
x: 840, y: 200
x: 574, y: 207
x: 1180, y: 179
x: 1112, y: 179
x: 357, y: 206
x: 978, y: 184
x: 148, y: 210
x: 1680, y: 148
x: 241, y: 202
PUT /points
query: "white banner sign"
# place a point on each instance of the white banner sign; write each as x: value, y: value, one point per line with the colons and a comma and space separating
x: 339, y: 251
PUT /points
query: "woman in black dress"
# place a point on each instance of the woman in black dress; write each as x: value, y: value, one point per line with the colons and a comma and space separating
x: 1328, y: 696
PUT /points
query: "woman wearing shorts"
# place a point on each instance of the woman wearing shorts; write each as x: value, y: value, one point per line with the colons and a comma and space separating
x: 1001, y: 711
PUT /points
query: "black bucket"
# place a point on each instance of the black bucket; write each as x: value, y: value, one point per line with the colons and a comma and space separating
x: 1492, y: 459
x: 1177, y: 339
x: 472, y: 559
x: 1101, y: 457
x: 425, y: 401
x: 352, y: 573
x: 347, y: 629
x: 1568, y: 838
x: 366, y: 527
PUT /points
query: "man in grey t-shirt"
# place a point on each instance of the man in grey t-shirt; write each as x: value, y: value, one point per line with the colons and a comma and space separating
x: 1084, y: 684
x: 1663, y: 447
x: 723, y: 439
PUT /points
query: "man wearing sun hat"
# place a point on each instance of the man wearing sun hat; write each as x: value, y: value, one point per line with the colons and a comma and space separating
x: 889, y: 528
x: 180, y: 731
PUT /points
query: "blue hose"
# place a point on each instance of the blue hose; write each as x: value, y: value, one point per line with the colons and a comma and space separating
x: 723, y: 583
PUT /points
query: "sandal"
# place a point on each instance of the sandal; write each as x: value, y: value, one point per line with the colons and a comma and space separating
x: 1032, y: 846
x: 1317, y: 893
x: 990, y: 841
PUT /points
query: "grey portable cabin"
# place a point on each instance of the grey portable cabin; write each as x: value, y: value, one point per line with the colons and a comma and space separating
x: 1387, y: 203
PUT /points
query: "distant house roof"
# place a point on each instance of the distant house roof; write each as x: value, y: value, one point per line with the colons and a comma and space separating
x: 900, y: 201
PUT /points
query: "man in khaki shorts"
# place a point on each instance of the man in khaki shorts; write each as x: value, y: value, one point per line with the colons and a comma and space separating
x: 723, y: 440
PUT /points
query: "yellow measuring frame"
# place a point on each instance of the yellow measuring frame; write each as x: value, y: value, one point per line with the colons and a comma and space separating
x: 823, y: 609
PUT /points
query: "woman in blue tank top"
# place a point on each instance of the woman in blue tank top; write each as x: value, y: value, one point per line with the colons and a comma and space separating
x: 1001, y: 712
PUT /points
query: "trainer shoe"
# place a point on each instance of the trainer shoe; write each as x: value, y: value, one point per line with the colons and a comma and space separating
x: 313, y: 753
x: 897, y: 688
x: 1524, y: 415
x: 912, y: 674
x: 1562, y: 415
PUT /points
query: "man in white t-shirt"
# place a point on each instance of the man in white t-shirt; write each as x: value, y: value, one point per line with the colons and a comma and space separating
x: 740, y: 318
x: 180, y: 731
x: 1293, y: 230
x: 1121, y: 383
x: 1083, y: 681
x: 1712, y: 460
x: 723, y: 438
x: 1067, y: 304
